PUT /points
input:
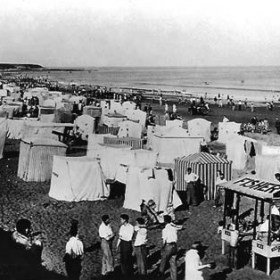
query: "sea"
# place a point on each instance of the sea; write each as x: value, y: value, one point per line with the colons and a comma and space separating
x: 254, y: 83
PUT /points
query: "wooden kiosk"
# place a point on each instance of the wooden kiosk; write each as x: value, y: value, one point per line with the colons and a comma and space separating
x: 265, y: 195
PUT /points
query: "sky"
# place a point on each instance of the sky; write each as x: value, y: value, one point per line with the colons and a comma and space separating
x: 68, y: 33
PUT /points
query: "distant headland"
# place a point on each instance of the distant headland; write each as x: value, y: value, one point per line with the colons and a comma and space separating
x: 15, y: 66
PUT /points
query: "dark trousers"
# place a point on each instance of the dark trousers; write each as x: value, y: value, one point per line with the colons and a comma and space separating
x: 73, y: 268
x: 141, y: 259
x: 169, y: 254
x: 126, y: 258
x: 191, y: 194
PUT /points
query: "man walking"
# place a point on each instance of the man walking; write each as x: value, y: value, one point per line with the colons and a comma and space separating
x: 169, y: 248
x: 125, y: 243
x: 106, y: 234
x: 140, y: 248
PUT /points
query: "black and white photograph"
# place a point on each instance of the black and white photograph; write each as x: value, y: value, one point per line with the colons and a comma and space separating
x: 139, y: 139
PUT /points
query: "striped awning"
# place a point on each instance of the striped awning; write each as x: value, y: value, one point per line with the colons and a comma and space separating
x: 205, y: 166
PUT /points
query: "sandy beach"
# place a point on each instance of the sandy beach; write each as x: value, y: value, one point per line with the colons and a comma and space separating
x: 30, y: 200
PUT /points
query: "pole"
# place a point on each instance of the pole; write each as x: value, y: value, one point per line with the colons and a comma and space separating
x: 255, y: 219
x: 269, y: 226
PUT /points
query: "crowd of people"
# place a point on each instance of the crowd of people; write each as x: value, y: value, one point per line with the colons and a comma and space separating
x: 132, y: 241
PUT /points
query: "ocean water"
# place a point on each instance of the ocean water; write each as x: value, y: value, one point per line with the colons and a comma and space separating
x: 253, y: 83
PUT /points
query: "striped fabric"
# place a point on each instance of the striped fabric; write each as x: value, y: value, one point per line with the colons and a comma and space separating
x: 135, y: 143
x: 205, y: 166
x: 108, y: 130
x: 36, y: 158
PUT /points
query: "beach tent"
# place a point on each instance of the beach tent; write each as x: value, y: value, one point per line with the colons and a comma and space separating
x: 113, y: 119
x: 130, y: 129
x: 205, y: 166
x: 116, y: 107
x: 172, y: 142
x: 77, y: 179
x: 174, y: 123
x: 149, y: 183
x: 235, y: 150
x: 40, y: 129
x: 92, y: 111
x: 227, y: 130
x: 77, y: 99
x: 47, y: 114
x: 129, y: 105
x: 137, y: 115
x: 135, y: 143
x: 270, y: 150
x: 200, y: 128
x: 95, y: 142
x: 110, y: 158
x: 3, y: 134
x: 49, y: 103
x: 139, y: 158
x: 84, y: 125
x: 36, y: 158
x: 267, y: 166
x: 3, y: 92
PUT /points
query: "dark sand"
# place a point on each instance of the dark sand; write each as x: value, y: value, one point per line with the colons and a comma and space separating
x: 30, y: 200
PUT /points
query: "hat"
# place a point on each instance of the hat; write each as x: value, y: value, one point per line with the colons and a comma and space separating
x: 151, y: 203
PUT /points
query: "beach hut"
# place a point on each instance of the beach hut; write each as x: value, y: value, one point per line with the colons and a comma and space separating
x: 235, y: 150
x: 228, y: 130
x: 84, y: 125
x: 130, y: 129
x: 77, y: 179
x: 200, y: 128
x: 113, y: 119
x: 92, y: 111
x: 3, y: 134
x: 36, y: 158
x: 47, y: 114
x: 205, y: 166
x: 173, y: 142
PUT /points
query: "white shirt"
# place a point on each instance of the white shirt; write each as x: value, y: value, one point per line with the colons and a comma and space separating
x: 105, y: 231
x: 169, y: 233
x: 141, y: 236
x: 220, y: 181
x: 75, y: 245
x: 192, y: 260
x: 264, y: 226
x: 190, y: 177
x: 126, y: 232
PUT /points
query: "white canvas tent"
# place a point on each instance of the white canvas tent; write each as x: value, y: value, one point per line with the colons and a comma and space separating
x: 84, y: 125
x: 200, y: 128
x: 235, y: 150
x: 170, y: 142
x: 267, y: 166
x: 146, y: 184
x: 228, y: 130
x: 130, y: 129
x: 77, y: 179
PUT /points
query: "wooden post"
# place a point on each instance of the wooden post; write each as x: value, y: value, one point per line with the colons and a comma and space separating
x: 253, y: 260
x: 268, y: 266
x: 237, y: 211
x: 224, y: 217
x: 262, y: 211
x: 255, y: 219
x: 269, y: 226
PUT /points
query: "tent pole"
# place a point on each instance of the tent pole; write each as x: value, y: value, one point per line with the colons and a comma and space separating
x: 237, y: 211
x: 255, y: 219
x: 262, y: 211
x: 224, y: 218
x: 269, y: 226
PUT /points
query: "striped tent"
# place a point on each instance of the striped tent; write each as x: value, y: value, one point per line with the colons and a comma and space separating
x: 36, y: 158
x: 205, y: 166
